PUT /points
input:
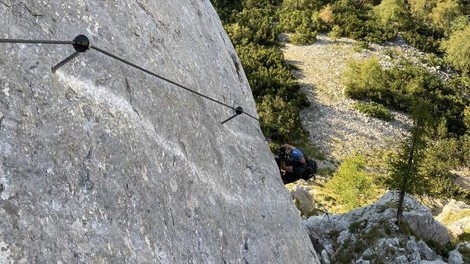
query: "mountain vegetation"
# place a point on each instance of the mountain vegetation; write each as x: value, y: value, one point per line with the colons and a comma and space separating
x: 439, y: 142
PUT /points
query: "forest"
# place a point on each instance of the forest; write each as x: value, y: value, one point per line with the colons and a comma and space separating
x: 439, y: 141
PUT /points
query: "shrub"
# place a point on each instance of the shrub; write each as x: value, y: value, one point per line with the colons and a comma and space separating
x: 457, y: 49
x: 281, y: 117
x: 374, y: 110
x: 352, y: 185
x: 465, y: 251
x: 307, y: 38
x: 403, y: 86
x: 360, y: 45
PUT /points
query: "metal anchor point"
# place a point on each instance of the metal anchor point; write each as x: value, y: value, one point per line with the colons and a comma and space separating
x: 81, y: 43
x: 238, y: 111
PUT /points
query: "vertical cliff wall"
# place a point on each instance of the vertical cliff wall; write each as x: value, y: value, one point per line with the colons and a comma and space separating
x: 102, y: 163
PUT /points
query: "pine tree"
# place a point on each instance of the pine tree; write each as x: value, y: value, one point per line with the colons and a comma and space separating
x: 405, y: 167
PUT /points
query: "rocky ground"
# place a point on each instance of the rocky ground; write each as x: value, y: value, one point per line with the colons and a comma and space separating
x: 334, y: 125
x: 370, y: 235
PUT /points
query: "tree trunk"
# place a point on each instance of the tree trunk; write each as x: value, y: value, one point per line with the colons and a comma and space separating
x: 406, y: 177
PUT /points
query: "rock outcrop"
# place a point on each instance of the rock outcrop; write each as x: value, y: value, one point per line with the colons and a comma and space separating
x: 456, y: 216
x: 303, y: 199
x: 370, y: 234
x: 102, y: 163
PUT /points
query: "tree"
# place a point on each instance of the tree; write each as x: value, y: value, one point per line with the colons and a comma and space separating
x: 326, y: 15
x: 404, y: 168
x: 457, y: 49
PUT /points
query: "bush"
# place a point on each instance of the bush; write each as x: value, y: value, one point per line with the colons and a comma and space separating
x: 256, y: 25
x: 458, y: 49
x: 307, y: 38
x: 374, y: 110
x: 301, y: 23
x: 280, y: 117
x: 352, y: 185
x: 402, y: 86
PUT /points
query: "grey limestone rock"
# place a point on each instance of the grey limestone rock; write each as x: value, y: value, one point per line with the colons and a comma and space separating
x: 371, y: 233
x: 102, y: 163
x: 456, y: 257
x: 303, y: 199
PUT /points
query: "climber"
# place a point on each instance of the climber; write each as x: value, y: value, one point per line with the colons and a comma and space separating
x: 292, y: 164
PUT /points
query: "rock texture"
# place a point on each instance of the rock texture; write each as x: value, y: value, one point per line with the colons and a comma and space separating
x: 370, y: 235
x: 456, y: 216
x: 101, y: 163
x: 303, y: 199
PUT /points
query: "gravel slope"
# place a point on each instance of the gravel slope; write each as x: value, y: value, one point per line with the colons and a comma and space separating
x: 334, y: 125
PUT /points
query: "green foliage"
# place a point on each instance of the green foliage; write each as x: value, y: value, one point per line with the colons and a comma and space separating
x: 421, y: 9
x: 302, y: 23
x: 352, y: 185
x: 418, y: 28
x: 374, y: 110
x: 464, y: 148
x: 423, y: 37
x: 360, y: 46
x: 358, y: 21
x: 335, y: 32
x: 254, y: 31
x: 402, y: 86
x: 440, y: 158
x: 404, y: 167
x: 457, y: 49
x: 257, y: 25
x: 445, y: 13
x: 465, y: 251
x: 226, y: 8
x: 306, y: 38
x: 278, y: 116
x: 466, y: 119
x: 301, y: 4
x: 392, y: 12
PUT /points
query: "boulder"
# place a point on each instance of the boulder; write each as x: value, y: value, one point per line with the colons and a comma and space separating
x: 456, y: 216
x: 303, y: 199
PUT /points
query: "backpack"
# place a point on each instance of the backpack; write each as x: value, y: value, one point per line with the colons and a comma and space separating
x: 310, y: 170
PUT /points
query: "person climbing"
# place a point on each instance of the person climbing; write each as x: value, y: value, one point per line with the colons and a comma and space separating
x: 292, y: 163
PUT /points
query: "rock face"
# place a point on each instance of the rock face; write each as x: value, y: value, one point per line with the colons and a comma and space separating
x: 370, y: 235
x: 100, y: 162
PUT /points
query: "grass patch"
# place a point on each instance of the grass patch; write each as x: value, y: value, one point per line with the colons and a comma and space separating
x: 455, y: 216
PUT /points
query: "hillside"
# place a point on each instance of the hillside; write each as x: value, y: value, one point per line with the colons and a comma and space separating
x: 334, y: 125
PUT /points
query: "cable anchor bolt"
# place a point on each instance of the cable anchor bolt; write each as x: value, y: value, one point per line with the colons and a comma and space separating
x: 238, y: 111
x: 81, y: 43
